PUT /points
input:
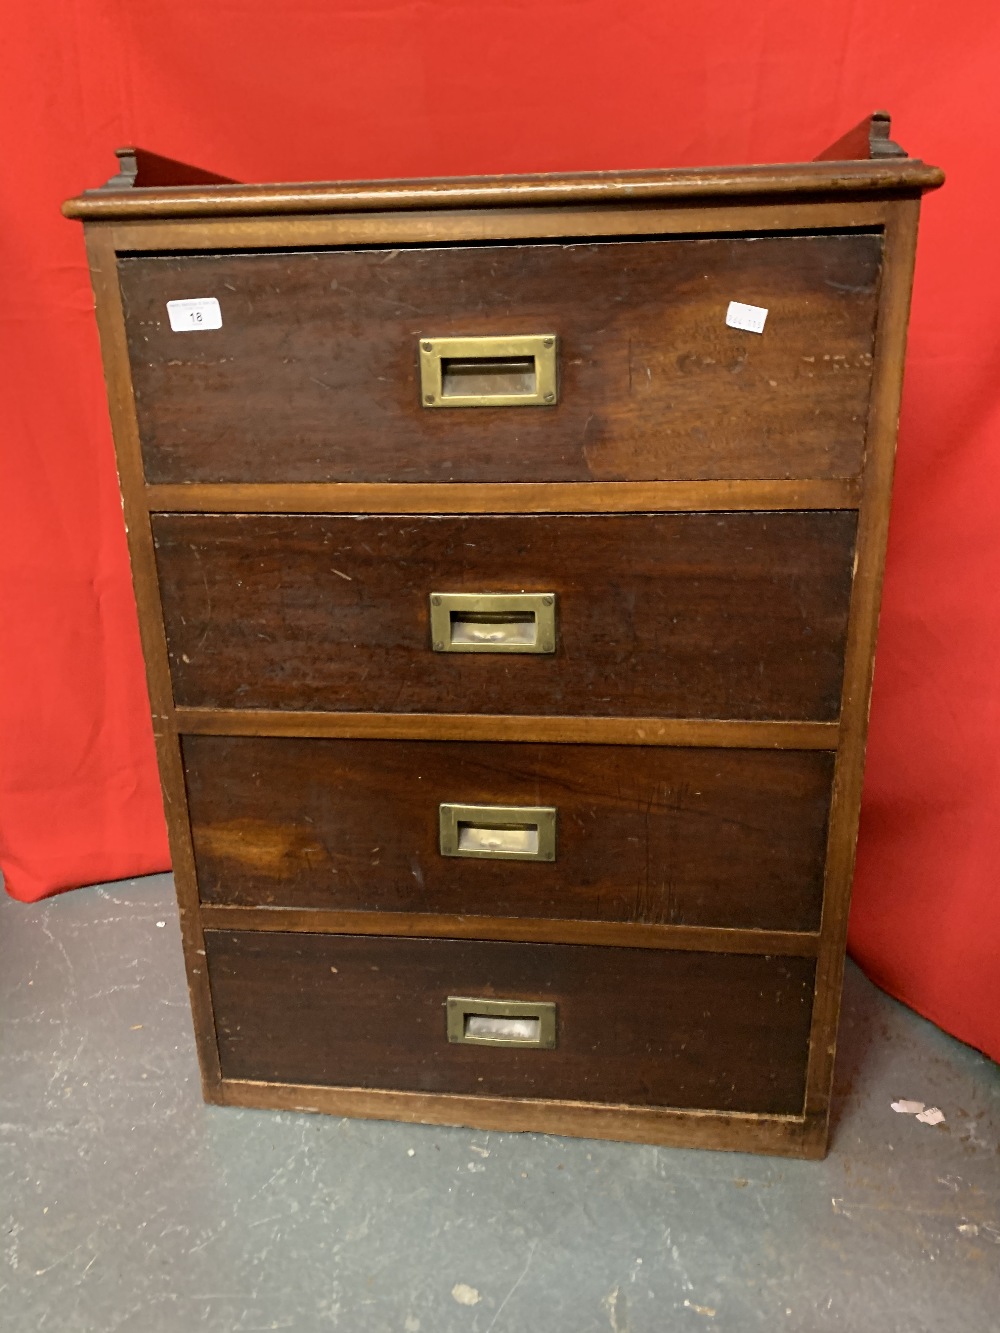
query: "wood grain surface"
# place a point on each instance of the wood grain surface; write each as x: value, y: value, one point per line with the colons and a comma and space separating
x: 732, y: 838
x: 689, y: 615
x: 783, y: 183
x: 721, y: 1131
x: 873, y: 528
x: 522, y: 929
x: 703, y: 733
x: 514, y: 222
x: 542, y: 497
x: 641, y: 1027
x: 313, y: 375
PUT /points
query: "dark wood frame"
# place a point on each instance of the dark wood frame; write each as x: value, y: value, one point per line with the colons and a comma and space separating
x: 882, y: 193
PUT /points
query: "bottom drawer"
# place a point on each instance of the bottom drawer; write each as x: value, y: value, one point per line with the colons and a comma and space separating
x: 643, y: 1027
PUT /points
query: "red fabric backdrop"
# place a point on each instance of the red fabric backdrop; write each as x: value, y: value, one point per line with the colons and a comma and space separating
x: 299, y: 90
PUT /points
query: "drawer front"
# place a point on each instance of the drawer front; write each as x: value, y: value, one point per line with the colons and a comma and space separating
x: 687, y: 615
x: 690, y: 837
x: 314, y: 373
x: 635, y: 1026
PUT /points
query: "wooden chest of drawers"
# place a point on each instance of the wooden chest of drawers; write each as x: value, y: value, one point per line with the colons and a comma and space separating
x: 512, y: 756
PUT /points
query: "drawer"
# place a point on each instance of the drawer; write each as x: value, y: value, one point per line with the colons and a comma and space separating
x: 314, y: 373
x: 683, y: 836
x: 690, y: 615
x: 631, y: 1026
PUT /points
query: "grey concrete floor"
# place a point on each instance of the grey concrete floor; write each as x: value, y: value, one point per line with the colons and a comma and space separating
x: 128, y: 1205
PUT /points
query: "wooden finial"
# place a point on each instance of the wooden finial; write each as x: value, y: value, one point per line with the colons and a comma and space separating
x: 868, y: 140
x: 138, y: 169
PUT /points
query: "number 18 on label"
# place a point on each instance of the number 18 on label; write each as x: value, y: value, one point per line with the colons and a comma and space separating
x: 194, y: 314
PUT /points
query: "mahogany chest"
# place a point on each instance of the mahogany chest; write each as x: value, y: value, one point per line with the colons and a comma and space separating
x: 508, y: 555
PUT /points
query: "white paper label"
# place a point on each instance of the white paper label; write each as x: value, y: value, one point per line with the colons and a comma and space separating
x: 748, y: 317
x: 932, y: 1116
x: 197, y: 312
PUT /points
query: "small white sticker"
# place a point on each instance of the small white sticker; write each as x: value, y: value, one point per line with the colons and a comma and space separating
x: 748, y: 317
x: 198, y: 312
x: 907, y: 1108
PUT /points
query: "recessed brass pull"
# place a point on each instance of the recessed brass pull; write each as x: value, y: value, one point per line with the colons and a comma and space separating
x: 489, y: 372
x: 474, y: 1022
x: 498, y: 832
x: 493, y: 622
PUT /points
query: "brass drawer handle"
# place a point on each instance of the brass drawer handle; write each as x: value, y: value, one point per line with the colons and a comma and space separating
x: 501, y: 1022
x: 498, y: 832
x: 489, y: 372
x: 494, y: 622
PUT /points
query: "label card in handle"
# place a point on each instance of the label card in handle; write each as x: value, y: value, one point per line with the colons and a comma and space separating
x: 747, y: 317
x: 194, y: 314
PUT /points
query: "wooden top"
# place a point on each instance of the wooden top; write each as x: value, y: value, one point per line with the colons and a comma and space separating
x: 149, y: 186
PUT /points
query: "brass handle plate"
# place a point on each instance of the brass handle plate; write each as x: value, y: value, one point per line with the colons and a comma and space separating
x: 493, y: 622
x: 474, y: 1022
x: 498, y: 832
x: 489, y: 372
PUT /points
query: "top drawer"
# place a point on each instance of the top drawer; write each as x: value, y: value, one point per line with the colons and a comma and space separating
x: 314, y: 373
